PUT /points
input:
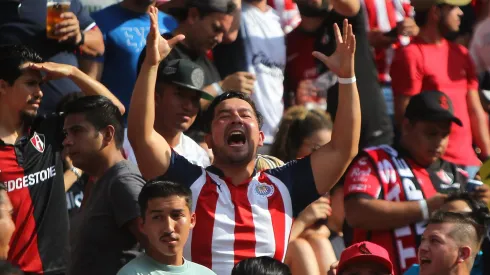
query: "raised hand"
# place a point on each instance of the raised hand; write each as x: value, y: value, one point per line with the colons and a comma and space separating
x: 341, y: 62
x: 157, y: 47
x: 52, y: 70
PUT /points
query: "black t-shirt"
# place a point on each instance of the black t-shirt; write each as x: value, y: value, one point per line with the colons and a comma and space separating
x: 26, y: 24
x: 376, y: 127
x: 32, y: 171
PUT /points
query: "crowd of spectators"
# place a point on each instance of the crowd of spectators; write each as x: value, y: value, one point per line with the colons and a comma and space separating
x: 244, y: 137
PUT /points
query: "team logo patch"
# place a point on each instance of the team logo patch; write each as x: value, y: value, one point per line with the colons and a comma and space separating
x: 38, y: 142
x: 364, y: 250
x: 197, y: 78
x: 264, y: 190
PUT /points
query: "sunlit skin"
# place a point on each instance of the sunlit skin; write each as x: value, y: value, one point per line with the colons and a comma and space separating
x: 176, y: 108
x: 438, y: 252
x: 426, y: 141
x: 366, y: 268
x: 24, y: 95
x: 167, y: 224
x: 83, y: 142
x: 208, y: 31
x: 234, y: 115
x: 314, y: 142
x: 451, y: 17
x: 435, y: 243
x: 7, y: 226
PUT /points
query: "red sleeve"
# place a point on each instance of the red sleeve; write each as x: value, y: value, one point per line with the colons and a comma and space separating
x: 471, y: 73
x: 361, y: 178
x: 406, y: 71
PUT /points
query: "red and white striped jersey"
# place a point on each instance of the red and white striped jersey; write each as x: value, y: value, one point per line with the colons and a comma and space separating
x: 288, y: 12
x: 252, y: 219
x: 383, y: 15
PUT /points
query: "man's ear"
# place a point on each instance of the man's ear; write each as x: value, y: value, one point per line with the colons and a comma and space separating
x: 435, y: 12
x: 261, y: 138
x: 193, y: 220
x: 464, y: 253
x: 108, y: 134
x: 193, y: 16
x: 3, y: 87
x: 141, y: 223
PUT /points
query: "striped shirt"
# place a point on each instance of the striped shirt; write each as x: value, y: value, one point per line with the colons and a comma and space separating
x: 251, y: 219
x: 383, y: 15
x: 288, y: 12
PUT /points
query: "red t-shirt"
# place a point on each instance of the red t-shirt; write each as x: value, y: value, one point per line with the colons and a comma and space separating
x: 446, y: 67
x: 300, y: 64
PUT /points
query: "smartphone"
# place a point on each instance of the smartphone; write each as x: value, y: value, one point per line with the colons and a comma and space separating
x: 471, y: 185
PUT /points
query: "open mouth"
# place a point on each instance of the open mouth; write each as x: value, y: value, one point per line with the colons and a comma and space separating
x: 236, y: 138
x: 424, y: 261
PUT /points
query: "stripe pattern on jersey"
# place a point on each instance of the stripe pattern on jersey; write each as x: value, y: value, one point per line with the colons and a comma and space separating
x: 254, y: 216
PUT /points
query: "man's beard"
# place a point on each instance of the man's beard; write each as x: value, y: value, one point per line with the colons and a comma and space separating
x: 446, y: 32
x: 308, y: 10
x: 27, y: 118
x: 237, y: 159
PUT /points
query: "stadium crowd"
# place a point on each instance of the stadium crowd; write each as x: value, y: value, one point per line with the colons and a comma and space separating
x: 268, y: 137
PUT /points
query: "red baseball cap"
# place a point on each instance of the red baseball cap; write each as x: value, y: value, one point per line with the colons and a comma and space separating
x: 364, y: 252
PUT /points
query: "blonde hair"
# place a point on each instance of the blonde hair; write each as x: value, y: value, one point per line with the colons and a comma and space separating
x: 297, y: 124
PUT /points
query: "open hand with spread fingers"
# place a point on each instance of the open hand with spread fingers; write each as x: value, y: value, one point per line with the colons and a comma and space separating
x: 157, y: 47
x: 341, y: 62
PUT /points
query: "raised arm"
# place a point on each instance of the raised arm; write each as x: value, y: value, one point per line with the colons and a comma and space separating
x: 330, y: 162
x: 346, y: 7
x: 87, y: 84
x: 150, y: 148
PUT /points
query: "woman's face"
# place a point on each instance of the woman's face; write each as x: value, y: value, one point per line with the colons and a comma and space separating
x: 314, y: 142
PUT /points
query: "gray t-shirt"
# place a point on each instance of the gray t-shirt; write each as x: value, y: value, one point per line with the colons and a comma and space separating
x: 145, y: 265
x: 99, y: 237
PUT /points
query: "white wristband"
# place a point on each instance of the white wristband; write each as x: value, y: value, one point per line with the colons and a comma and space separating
x: 347, y: 80
x: 425, y: 209
x: 217, y: 88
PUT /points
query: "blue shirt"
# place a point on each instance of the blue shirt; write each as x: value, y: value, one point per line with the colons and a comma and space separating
x: 125, y: 34
x: 476, y: 270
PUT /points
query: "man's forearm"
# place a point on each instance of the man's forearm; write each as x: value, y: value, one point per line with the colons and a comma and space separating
x: 346, y: 131
x: 94, y: 43
x: 90, y: 86
x: 142, y: 107
x: 380, y: 214
x: 479, y: 125
x: 346, y: 7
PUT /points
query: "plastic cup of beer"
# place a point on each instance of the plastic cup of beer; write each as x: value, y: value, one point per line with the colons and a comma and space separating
x: 54, y: 10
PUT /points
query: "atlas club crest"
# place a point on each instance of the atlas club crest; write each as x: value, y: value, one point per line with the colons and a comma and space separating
x: 38, y: 142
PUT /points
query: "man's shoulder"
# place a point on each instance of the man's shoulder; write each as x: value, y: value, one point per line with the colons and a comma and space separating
x: 195, y: 268
x: 111, y: 17
x: 138, y: 265
x: 412, y: 50
x: 123, y: 170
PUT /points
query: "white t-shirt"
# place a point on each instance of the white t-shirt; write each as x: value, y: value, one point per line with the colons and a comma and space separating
x: 480, y: 46
x: 187, y: 148
x: 265, y: 51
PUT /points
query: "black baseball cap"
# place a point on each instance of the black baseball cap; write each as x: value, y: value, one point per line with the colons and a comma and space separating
x: 221, y: 6
x: 431, y: 106
x: 184, y: 73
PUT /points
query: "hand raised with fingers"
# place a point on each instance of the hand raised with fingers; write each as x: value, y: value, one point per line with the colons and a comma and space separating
x: 157, y: 47
x: 341, y: 62
x: 52, y: 70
